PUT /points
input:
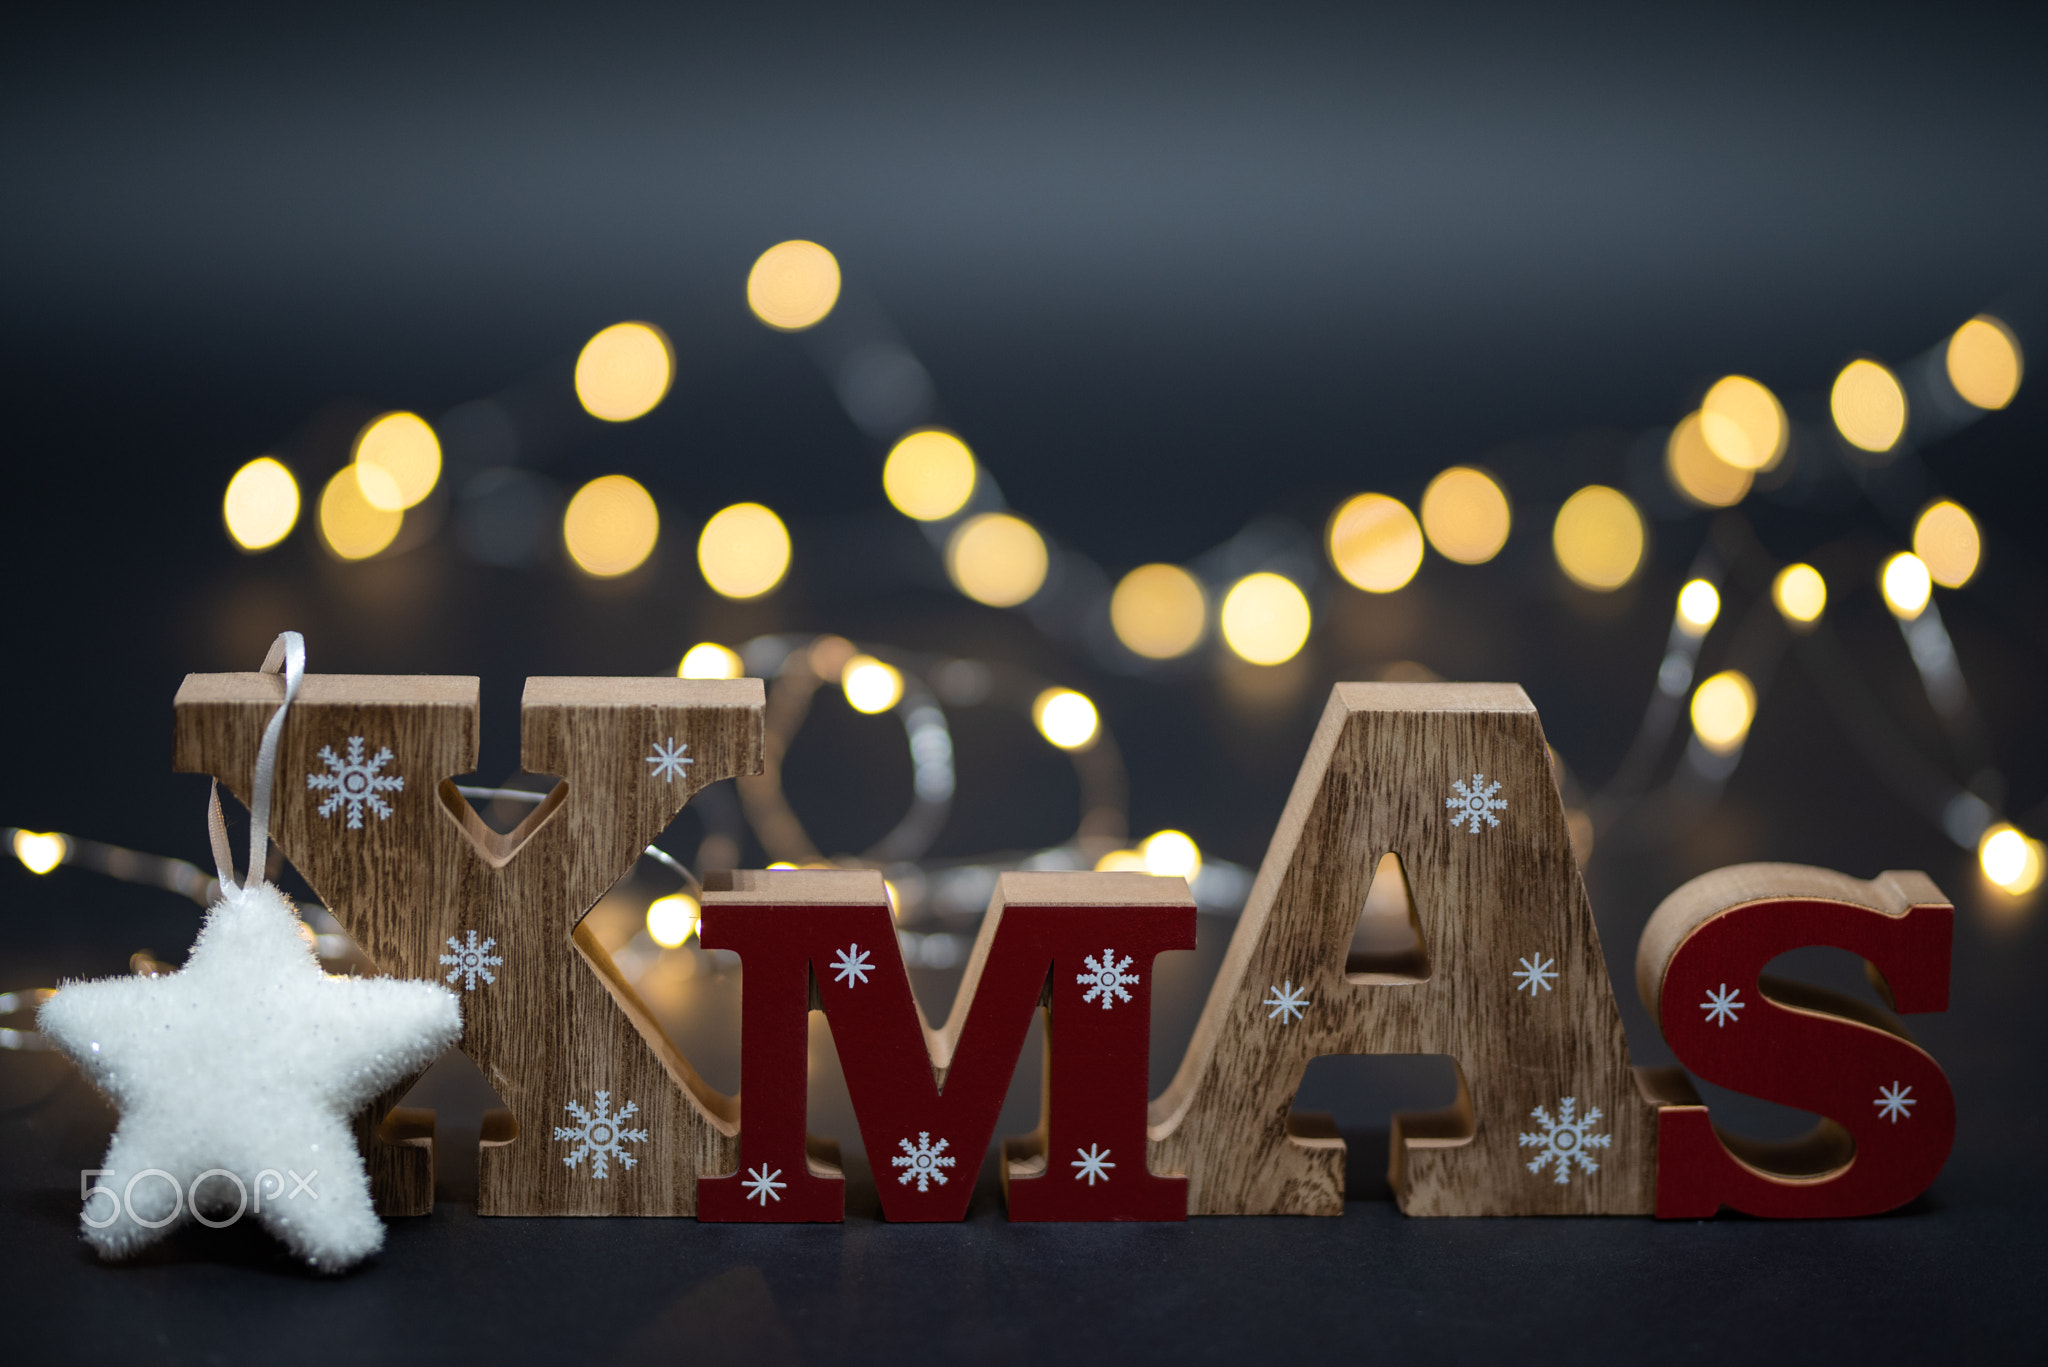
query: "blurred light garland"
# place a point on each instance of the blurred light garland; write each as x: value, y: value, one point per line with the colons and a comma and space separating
x: 1257, y: 590
x: 1255, y: 593
x: 936, y: 903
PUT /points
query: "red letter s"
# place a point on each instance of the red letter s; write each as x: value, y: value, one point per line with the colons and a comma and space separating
x: 1890, y: 1116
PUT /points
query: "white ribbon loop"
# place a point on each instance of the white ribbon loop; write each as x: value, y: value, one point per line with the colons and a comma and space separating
x: 287, y: 652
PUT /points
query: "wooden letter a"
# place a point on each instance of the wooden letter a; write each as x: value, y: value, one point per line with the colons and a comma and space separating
x: 1455, y: 779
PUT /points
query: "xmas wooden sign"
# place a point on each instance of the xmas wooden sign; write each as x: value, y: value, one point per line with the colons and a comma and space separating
x: 606, y: 1116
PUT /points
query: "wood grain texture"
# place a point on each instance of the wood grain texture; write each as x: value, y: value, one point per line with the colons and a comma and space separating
x: 559, y: 1024
x: 1382, y: 765
x: 1888, y: 1115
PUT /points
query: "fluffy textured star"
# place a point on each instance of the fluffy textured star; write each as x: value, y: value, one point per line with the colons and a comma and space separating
x: 248, y: 1061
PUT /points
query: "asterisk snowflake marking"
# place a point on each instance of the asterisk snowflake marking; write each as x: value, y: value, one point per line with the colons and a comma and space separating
x: 852, y: 966
x: 1722, y: 1004
x: 1565, y: 1140
x: 761, y: 1185
x: 1895, y: 1103
x: 600, y: 1135
x: 472, y: 961
x: 1476, y: 803
x: 669, y: 760
x: 1093, y: 1163
x: 1287, y: 1001
x: 1105, y: 978
x: 921, y: 1164
x: 1536, y: 976
x: 354, y: 782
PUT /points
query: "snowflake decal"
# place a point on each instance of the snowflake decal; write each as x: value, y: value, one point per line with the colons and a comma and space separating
x: 761, y: 1185
x: 1287, y: 1001
x: 1105, y: 978
x: 1722, y: 1004
x: 1475, y: 804
x: 669, y: 761
x: 1536, y: 975
x: 852, y: 966
x: 472, y: 961
x: 1564, y: 1141
x: 921, y: 1164
x: 1894, y: 1103
x: 1093, y: 1163
x: 354, y: 782
x: 600, y: 1135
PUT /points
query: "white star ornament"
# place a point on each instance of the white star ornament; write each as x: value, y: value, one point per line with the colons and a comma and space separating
x: 246, y: 1064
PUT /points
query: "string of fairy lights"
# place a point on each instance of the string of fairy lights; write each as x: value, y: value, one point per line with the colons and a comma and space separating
x: 1251, y: 598
x: 936, y: 902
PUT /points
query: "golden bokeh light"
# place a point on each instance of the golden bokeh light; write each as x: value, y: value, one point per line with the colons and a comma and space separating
x: 929, y: 475
x: 1375, y: 543
x: 1800, y: 593
x: 870, y: 685
x: 261, y: 505
x: 1743, y: 423
x: 1984, y: 362
x: 610, y: 526
x: 378, y: 488
x: 1947, y: 541
x: 710, y: 660
x: 793, y: 285
x: 350, y: 525
x: 402, y: 446
x: 1159, y: 611
x: 1065, y: 718
x: 1722, y: 709
x: 997, y: 559
x: 1699, y: 603
x: 1598, y: 538
x: 40, y: 851
x: 672, y: 920
x: 1869, y: 406
x: 1906, y: 585
x: 1696, y: 472
x: 1265, y: 618
x: 1121, y: 861
x: 1466, y: 516
x: 624, y: 371
x: 1170, y: 854
x: 743, y: 551
x: 2010, y: 858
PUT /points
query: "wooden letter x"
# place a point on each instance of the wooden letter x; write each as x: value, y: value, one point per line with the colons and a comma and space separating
x: 607, y: 1118
x: 1550, y: 1120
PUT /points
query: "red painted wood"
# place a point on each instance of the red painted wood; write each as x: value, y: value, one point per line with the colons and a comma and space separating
x: 1816, y: 1061
x: 1097, y: 1056
x: 925, y: 1141
x: 775, y: 1017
